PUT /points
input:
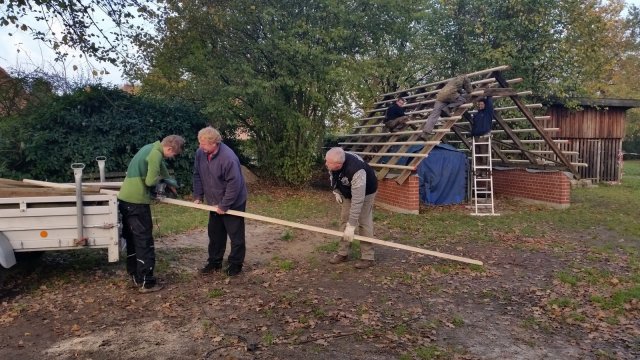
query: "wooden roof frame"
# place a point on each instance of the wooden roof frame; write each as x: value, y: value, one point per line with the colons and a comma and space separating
x: 522, y: 141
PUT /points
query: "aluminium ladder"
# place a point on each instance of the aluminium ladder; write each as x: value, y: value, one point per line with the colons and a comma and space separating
x: 482, y: 176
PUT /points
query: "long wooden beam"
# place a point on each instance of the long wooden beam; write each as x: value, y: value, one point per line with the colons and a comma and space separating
x: 318, y: 229
x: 299, y: 226
x: 389, y: 154
x: 322, y: 230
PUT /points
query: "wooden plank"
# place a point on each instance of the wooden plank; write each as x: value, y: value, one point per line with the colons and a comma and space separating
x: 29, y: 192
x: 390, y: 154
x: 393, y: 143
x: 390, y: 166
x: 8, y: 183
x: 324, y: 231
x: 482, y: 72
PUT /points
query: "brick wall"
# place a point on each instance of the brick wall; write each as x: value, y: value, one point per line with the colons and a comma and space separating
x: 403, y: 198
x: 551, y: 188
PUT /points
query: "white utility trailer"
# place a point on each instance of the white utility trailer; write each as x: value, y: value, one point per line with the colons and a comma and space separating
x: 38, y: 218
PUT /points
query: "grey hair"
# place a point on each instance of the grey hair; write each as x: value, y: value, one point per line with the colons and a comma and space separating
x: 335, y: 154
x: 210, y: 135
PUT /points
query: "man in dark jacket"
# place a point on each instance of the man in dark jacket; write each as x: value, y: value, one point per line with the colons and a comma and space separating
x: 394, y: 118
x: 218, y: 179
x: 483, y: 118
x: 354, y: 185
x: 455, y: 93
x: 481, y: 126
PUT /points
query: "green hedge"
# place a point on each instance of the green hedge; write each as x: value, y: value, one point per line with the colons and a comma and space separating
x: 43, y: 141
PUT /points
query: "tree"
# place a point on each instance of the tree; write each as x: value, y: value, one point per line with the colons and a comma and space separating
x: 277, y: 69
x: 625, y: 79
x: 560, y: 48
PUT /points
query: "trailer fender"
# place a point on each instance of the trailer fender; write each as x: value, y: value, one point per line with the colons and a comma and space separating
x: 7, y: 256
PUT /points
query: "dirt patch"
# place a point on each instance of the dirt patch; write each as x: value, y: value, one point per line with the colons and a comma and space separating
x: 290, y: 303
x: 264, y: 243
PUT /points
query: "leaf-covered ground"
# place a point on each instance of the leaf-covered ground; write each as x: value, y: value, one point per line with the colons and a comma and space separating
x: 552, y: 294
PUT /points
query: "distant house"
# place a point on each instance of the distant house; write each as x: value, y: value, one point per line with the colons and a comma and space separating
x: 12, y: 94
x: 129, y: 88
x: 595, y: 132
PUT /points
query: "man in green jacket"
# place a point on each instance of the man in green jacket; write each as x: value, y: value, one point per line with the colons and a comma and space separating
x: 145, y: 171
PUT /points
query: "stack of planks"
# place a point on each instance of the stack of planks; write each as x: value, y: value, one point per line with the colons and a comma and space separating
x: 14, y: 189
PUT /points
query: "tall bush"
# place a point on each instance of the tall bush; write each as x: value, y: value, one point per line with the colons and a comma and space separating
x: 94, y: 121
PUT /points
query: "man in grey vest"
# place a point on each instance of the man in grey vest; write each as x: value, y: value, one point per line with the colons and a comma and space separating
x: 354, y: 185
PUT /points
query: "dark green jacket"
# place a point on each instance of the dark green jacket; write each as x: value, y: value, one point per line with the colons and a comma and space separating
x: 145, y: 170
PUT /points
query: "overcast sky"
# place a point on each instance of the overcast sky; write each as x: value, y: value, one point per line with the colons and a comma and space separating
x: 20, y: 51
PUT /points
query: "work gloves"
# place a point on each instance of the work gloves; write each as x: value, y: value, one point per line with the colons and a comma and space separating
x: 339, y: 198
x: 349, y: 232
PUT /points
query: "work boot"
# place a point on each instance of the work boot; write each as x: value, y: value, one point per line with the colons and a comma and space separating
x: 233, y: 269
x: 150, y: 289
x: 363, y: 264
x: 337, y: 259
x: 211, y: 267
x: 135, y: 281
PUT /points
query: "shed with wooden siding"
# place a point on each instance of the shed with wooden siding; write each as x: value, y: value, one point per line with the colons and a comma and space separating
x: 595, y: 131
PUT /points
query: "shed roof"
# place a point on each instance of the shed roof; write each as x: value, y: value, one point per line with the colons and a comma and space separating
x: 521, y: 137
x: 603, y: 102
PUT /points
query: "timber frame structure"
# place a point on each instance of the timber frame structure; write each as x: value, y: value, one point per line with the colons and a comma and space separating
x: 520, y: 138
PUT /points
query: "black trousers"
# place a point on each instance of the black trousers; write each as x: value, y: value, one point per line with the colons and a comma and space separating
x: 221, y: 226
x: 137, y: 229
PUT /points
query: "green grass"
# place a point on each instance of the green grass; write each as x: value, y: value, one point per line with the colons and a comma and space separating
x: 567, y: 278
x: 400, y: 330
x: 608, y: 207
x: 215, y: 293
x: 171, y: 219
x: 457, y: 321
x: 604, y: 216
x: 283, y: 264
x: 604, y: 207
x: 621, y: 297
x: 562, y: 302
x: 329, y: 247
x: 297, y: 207
x: 267, y: 338
x: 287, y: 235
x: 429, y: 352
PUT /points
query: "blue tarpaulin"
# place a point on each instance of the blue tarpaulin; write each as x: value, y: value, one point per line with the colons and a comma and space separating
x: 443, y: 174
